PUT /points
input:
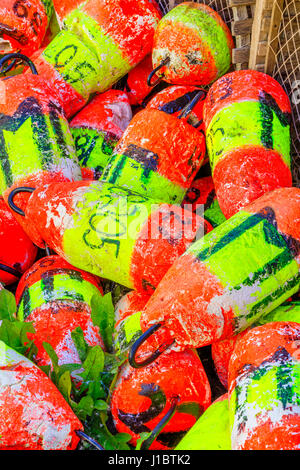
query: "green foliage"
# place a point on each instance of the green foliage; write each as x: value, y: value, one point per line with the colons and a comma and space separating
x: 8, y: 305
x: 14, y: 333
x: 86, y: 387
x: 103, y: 316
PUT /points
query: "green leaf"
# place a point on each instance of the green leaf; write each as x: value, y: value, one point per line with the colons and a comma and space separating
x: 80, y: 343
x: 84, y: 408
x: 8, y: 306
x: 14, y: 334
x: 53, y: 356
x: 101, y: 405
x: 103, y: 316
x: 143, y: 437
x: 93, y: 364
x: 65, y: 385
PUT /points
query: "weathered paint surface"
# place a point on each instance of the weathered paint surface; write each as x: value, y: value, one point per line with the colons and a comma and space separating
x: 264, y: 388
x: 197, y: 43
x: 23, y: 25
x: 102, y: 42
x: 34, y: 415
x: 56, y: 297
x: 243, y: 269
x: 143, y: 396
x: 247, y: 120
x: 112, y: 232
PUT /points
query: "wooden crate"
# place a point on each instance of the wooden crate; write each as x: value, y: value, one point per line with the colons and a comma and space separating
x: 267, y: 39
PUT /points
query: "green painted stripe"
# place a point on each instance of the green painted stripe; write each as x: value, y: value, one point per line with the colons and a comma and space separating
x: 58, y: 287
x: 93, y: 148
x: 113, y: 64
x: 218, y: 240
x: 129, y: 173
x: 254, y: 264
x: 76, y: 64
x: 276, y: 297
x: 106, y: 225
x: 246, y: 123
x: 22, y: 150
x: 268, y: 388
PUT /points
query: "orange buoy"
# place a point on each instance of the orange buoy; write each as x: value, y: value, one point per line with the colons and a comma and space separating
x: 247, y: 115
x: 158, y: 156
x: 264, y: 381
x: 208, y: 294
x: 167, y: 398
x: 56, y: 298
x: 192, y: 46
x: 97, y: 128
x: 100, y: 43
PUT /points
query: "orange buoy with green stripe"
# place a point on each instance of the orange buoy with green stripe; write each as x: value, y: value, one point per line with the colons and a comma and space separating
x: 34, y: 414
x: 264, y: 383
x: 247, y: 121
x: 127, y: 320
x: 226, y: 281
x: 158, y: 156
x: 166, y: 398
x: 100, y: 43
x: 56, y: 297
x: 37, y: 145
x: 192, y: 46
x: 222, y: 350
x: 97, y: 128
x: 112, y: 232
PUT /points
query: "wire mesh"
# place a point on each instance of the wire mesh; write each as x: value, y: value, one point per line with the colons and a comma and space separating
x: 287, y: 71
x: 218, y: 5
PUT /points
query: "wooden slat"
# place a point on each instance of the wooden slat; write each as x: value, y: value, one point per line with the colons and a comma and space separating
x: 255, y: 33
x: 262, y: 49
x: 241, y: 55
x: 241, y: 27
x: 265, y: 24
x: 273, y: 36
x: 237, y: 3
